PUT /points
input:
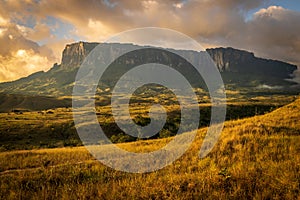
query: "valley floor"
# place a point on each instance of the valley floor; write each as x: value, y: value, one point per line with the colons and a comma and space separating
x: 255, y: 158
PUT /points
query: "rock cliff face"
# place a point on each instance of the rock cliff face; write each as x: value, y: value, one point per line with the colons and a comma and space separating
x: 238, y: 61
x: 74, y: 54
x: 226, y: 59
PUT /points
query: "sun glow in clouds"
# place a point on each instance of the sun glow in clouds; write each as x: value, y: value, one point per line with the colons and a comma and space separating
x: 22, y: 63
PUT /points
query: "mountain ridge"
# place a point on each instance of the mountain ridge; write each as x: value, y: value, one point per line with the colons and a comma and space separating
x: 236, y: 66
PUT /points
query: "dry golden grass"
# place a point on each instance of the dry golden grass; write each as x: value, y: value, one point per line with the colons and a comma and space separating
x: 255, y: 158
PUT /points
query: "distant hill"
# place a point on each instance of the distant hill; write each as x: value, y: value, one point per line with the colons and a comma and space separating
x: 238, y: 68
x: 19, y: 103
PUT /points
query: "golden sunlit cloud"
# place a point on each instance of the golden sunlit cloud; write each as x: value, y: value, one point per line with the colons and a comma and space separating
x: 22, y: 63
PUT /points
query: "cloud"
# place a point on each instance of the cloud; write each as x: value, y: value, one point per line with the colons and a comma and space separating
x: 275, y: 31
x: 99, y: 19
x: 37, y: 33
x: 19, y: 56
x: 30, y: 61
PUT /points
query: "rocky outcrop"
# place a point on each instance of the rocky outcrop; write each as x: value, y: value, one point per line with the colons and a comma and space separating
x: 74, y: 54
x: 238, y: 61
x: 227, y: 59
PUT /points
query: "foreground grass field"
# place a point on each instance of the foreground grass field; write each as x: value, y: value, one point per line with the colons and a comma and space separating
x: 255, y: 158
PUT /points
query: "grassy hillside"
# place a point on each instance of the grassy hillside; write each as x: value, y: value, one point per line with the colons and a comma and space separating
x: 255, y: 158
x: 54, y: 128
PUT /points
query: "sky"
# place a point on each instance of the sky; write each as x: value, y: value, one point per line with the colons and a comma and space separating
x: 33, y: 33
